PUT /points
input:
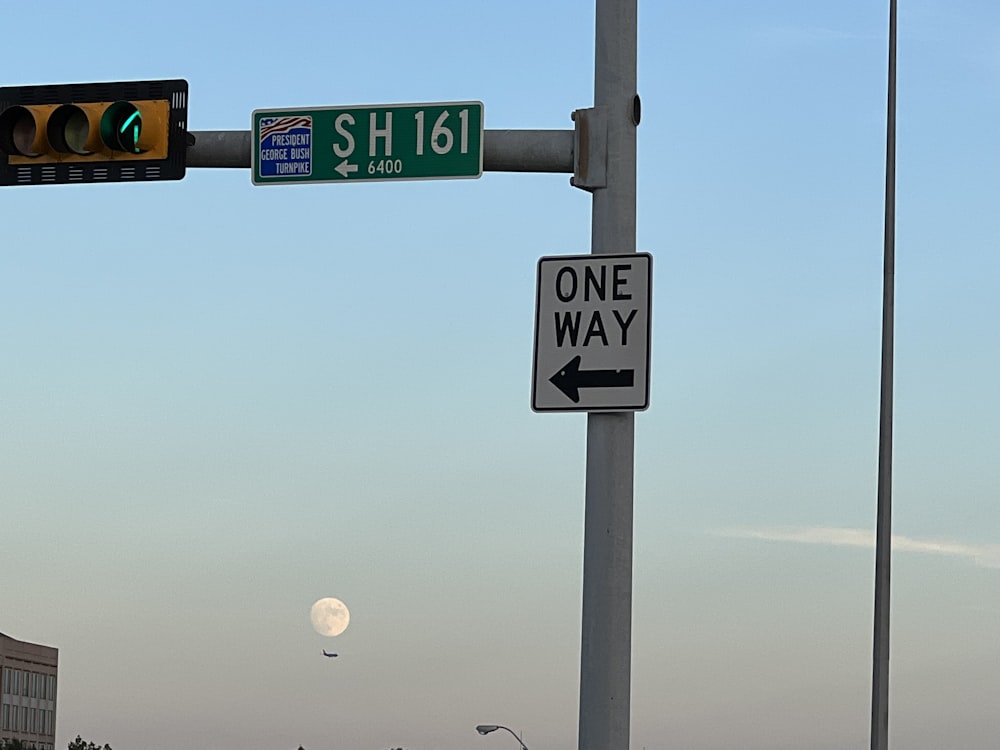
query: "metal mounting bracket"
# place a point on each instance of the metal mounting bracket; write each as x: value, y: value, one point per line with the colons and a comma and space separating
x: 590, y: 149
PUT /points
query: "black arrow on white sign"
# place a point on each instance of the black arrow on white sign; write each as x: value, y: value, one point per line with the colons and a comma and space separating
x: 570, y: 379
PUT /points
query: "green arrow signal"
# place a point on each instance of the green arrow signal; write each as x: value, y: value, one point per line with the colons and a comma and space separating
x: 135, y: 130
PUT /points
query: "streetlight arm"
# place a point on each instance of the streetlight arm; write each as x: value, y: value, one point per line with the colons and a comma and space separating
x: 487, y: 728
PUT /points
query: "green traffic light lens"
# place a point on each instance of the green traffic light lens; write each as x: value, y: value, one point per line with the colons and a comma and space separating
x: 17, y: 131
x: 121, y: 127
x: 69, y: 130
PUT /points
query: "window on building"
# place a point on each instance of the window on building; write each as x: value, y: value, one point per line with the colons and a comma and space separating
x: 5, y: 724
x: 33, y: 684
x: 51, y: 679
x: 6, y: 680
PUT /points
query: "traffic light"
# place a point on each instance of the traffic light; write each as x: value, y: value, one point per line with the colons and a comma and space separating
x: 129, y: 131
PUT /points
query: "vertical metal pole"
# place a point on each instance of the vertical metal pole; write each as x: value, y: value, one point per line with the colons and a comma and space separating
x: 606, y: 644
x: 883, y: 534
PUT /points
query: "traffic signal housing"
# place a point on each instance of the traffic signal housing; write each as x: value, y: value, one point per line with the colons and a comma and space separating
x: 127, y: 131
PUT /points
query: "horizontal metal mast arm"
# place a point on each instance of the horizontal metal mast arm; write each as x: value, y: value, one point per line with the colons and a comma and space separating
x: 528, y: 151
x: 503, y: 150
x: 219, y: 148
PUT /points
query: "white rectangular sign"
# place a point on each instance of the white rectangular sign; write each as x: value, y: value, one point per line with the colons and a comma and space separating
x: 592, y: 333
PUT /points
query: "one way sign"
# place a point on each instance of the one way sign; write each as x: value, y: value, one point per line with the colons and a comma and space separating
x: 592, y: 333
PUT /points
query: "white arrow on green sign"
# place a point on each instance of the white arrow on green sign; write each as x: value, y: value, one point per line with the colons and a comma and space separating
x: 442, y: 140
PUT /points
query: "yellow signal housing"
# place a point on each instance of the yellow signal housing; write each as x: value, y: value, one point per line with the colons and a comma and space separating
x: 86, y: 132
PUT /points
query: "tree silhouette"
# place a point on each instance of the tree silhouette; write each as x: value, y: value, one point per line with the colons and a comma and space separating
x: 80, y: 744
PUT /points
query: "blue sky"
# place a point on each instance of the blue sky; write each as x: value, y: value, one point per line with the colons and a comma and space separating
x: 220, y: 402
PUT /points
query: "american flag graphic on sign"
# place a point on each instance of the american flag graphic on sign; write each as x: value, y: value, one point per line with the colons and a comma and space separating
x: 271, y: 125
x: 285, y: 148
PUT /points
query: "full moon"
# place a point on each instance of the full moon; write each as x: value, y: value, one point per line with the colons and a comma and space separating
x: 329, y: 616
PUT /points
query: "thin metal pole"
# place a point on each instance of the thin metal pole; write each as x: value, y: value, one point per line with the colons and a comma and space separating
x: 883, y: 534
x: 606, y: 643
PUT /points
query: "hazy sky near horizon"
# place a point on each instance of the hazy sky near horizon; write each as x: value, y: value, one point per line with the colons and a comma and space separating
x: 221, y: 402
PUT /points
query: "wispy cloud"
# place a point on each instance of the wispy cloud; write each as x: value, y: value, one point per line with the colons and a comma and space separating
x: 797, y: 36
x: 983, y: 555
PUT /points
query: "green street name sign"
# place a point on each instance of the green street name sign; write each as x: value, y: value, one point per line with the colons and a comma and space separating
x: 442, y: 140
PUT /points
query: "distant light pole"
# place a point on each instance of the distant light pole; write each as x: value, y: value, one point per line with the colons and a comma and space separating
x: 883, y: 523
x: 487, y: 728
